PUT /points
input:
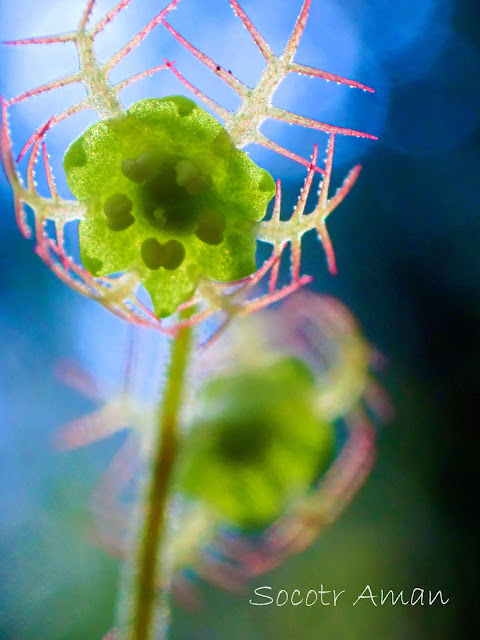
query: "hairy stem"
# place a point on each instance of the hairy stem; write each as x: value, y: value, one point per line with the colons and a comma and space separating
x: 152, y: 533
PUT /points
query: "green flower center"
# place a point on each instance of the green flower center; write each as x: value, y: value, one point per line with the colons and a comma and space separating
x: 170, y: 191
x: 244, y: 441
x: 169, y: 197
x: 256, y: 443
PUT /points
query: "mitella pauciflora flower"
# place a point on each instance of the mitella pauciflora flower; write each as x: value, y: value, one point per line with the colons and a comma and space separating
x: 257, y: 442
x: 168, y: 198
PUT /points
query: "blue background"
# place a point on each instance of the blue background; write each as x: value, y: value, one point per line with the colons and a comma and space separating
x: 407, y: 242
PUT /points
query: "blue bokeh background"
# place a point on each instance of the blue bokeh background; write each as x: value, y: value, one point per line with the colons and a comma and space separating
x: 407, y: 243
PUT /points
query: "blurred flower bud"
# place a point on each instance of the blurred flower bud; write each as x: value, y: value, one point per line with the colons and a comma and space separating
x: 256, y: 442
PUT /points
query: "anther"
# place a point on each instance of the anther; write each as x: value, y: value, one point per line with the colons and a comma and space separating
x: 117, y: 210
x: 192, y: 178
x: 152, y: 253
x: 174, y: 255
x: 139, y: 169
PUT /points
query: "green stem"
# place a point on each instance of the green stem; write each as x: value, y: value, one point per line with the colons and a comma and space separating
x: 165, y: 454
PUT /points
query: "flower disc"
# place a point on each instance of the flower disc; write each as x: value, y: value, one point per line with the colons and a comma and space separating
x: 256, y: 443
x: 168, y: 197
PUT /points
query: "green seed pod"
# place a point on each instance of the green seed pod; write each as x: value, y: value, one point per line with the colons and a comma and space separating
x: 256, y: 443
x: 166, y: 172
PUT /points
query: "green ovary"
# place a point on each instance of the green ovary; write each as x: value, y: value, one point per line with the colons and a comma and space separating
x: 256, y: 443
x: 168, y: 197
